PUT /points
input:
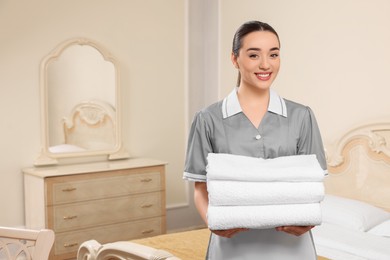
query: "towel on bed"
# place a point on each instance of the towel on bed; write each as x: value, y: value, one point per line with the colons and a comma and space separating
x: 262, y: 217
x: 244, y: 168
x: 228, y: 193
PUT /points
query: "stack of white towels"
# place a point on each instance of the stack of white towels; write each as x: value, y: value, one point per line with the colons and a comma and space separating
x: 248, y: 192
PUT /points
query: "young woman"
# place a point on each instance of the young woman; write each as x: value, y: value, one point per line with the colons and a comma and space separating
x: 253, y: 121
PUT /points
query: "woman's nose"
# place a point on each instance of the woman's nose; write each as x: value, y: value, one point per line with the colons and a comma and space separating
x: 264, y: 64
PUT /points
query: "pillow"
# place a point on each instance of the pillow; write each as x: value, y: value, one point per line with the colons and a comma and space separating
x: 351, y: 213
x: 383, y: 229
x: 65, y: 148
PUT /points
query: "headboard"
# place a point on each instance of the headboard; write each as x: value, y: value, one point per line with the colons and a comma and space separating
x: 91, y: 126
x: 359, y: 165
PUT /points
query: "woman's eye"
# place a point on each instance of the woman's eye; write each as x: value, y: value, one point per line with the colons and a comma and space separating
x: 253, y: 56
x: 274, y: 55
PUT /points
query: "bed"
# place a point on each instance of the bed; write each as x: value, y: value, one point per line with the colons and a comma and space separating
x: 355, y: 211
x: 89, y: 126
x: 356, y: 218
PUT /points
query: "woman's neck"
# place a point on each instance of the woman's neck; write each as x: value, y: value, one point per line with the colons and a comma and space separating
x: 254, y: 103
x: 253, y: 97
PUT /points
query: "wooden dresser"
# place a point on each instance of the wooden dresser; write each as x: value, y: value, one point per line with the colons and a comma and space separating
x: 105, y: 201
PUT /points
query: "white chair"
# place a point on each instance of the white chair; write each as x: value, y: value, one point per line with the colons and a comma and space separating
x: 21, y: 244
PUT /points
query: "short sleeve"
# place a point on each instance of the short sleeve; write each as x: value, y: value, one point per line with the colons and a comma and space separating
x: 310, y: 141
x: 198, y: 147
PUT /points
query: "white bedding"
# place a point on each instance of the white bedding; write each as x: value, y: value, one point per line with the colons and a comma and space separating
x: 65, y: 148
x: 338, y: 243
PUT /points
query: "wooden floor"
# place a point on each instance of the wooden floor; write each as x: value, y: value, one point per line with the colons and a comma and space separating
x: 185, y: 245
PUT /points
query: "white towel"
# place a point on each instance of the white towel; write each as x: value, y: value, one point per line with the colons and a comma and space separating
x: 244, y: 168
x: 262, y: 217
x: 228, y: 193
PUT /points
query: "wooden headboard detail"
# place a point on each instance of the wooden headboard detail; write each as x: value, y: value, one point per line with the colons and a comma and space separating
x: 91, y: 125
x: 359, y: 165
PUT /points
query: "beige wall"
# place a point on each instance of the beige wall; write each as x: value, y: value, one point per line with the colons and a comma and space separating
x: 148, y: 40
x: 335, y: 56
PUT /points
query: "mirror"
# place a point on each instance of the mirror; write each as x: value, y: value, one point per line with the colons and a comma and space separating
x: 80, y: 103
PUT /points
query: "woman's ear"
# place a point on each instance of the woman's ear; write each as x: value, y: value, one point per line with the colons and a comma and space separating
x: 234, y: 60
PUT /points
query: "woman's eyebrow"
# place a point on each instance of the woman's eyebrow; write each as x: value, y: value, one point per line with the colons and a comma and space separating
x: 258, y: 49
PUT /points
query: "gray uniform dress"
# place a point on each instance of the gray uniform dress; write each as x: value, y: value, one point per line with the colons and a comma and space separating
x: 287, y: 128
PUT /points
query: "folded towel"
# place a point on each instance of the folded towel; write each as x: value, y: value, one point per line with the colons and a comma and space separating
x: 229, y: 193
x: 263, y: 217
x: 244, y: 168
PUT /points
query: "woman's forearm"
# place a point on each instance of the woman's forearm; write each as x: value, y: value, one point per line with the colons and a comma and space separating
x: 201, y: 199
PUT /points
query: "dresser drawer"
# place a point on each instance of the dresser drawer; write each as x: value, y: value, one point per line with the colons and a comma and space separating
x: 68, y: 242
x: 105, y: 211
x: 82, y: 189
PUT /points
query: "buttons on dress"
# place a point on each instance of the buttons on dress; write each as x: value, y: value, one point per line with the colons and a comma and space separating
x: 258, y: 137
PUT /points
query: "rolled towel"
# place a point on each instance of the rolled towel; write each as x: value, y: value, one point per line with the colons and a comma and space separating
x: 233, y: 193
x: 244, y: 168
x: 263, y: 217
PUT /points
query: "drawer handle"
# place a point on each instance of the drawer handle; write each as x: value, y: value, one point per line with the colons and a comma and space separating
x: 68, y: 189
x: 70, y: 217
x: 148, y: 231
x: 146, y: 206
x: 71, y: 245
x: 146, y: 180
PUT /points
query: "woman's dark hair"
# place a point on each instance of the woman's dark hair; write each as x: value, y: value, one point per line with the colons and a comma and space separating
x: 243, y: 30
x: 246, y: 28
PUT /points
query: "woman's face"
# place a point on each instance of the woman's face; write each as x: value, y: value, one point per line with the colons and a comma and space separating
x: 258, y: 60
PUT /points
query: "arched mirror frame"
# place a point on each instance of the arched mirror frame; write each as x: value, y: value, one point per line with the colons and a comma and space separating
x: 48, y: 158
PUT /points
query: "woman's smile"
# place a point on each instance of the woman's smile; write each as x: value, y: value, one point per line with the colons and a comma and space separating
x: 263, y: 76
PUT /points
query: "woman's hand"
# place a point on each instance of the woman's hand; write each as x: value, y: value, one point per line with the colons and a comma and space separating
x: 229, y: 232
x: 295, y: 230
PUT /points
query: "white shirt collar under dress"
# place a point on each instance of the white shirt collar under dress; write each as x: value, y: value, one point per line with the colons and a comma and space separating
x: 231, y: 105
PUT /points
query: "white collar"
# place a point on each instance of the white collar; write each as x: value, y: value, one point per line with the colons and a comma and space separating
x: 231, y: 105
